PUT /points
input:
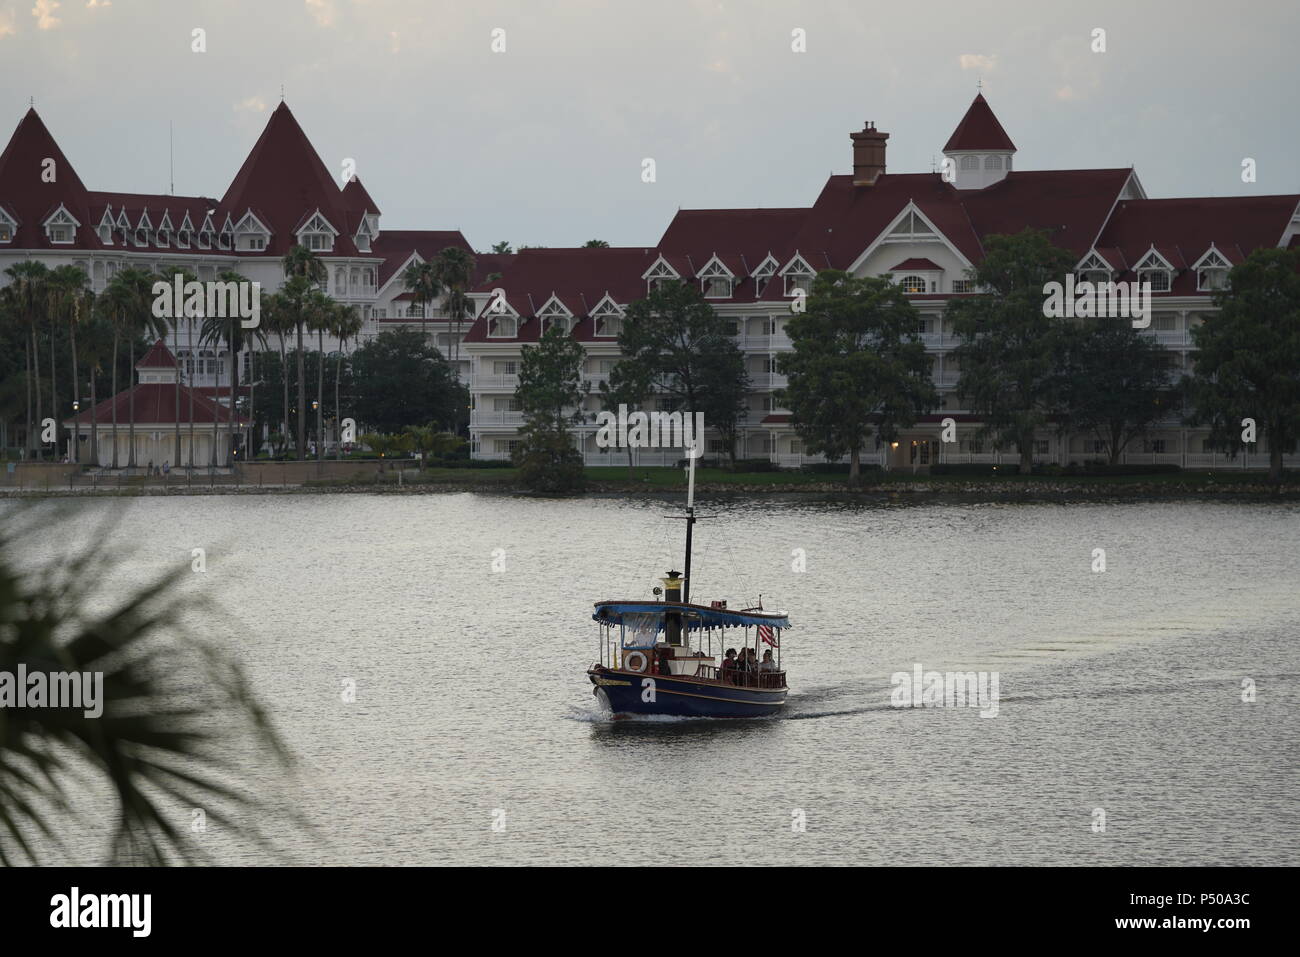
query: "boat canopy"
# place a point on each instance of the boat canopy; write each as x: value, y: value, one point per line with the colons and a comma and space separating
x: 694, y: 617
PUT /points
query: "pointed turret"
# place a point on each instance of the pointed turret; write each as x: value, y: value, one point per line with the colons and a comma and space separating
x: 979, y: 147
x: 284, y: 183
x: 41, y: 192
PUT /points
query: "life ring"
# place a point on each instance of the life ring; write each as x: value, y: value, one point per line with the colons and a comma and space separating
x: 638, y: 667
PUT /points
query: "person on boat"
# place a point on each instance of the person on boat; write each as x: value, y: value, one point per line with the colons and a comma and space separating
x: 768, y: 663
x: 729, y: 665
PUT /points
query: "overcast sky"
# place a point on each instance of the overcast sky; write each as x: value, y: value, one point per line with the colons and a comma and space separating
x: 543, y: 143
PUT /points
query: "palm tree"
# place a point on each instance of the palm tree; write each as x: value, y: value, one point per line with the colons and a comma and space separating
x: 421, y: 280
x: 71, y: 301
x: 320, y: 319
x: 277, y: 318
x: 228, y: 332
x: 176, y: 320
x: 137, y: 286
x: 301, y: 263
x: 114, y: 305
x: 347, y: 325
x: 171, y: 706
x: 28, y: 280
x: 455, y: 270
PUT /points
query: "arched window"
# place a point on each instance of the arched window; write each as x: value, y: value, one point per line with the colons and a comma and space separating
x: 993, y: 162
x: 970, y: 162
x: 912, y: 284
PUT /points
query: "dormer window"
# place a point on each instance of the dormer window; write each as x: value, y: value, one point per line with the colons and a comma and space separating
x: 913, y: 285
x: 658, y: 274
x: 766, y: 269
x: 1093, y: 269
x: 106, y: 235
x: 503, y: 327
x: 1155, y: 269
x: 317, y: 234
x: 970, y: 162
x: 226, y: 239
x: 205, y: 239
x: 6, y: 233
x: 162, y: 237
x: 142, y: 237
x: 798, y: 281
x: 1212, y: 271
x: 183, y: 239
x: 318, y: 242
x: 716, y: 280
x: 363, y: 242
x: 61, y: 227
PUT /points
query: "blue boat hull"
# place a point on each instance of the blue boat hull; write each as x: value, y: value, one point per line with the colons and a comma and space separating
x: 630, y: 694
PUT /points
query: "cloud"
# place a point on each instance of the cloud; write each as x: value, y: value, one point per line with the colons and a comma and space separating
x: 322, y: 10
x: 6, y: 23
x: 394, y: 41
x: 978, y: 61
x: 92, y: 4
x: 254, y: 104
x: 44, y: 14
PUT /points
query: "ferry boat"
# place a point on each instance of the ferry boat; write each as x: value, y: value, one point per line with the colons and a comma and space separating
x: 666, y: 656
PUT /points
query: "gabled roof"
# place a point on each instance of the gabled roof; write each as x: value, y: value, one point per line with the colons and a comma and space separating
x: 397, y: 245
x: 580, y: 278
x: 1181, y: 230
x: 154, y: 403
x: 282, y: 179
x: 979, y: 129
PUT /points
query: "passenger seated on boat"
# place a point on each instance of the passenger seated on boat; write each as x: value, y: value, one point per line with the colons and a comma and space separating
x: 729, y: 665
x: 767, y: 664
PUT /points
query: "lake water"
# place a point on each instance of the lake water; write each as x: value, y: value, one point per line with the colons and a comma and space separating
x: 464, y: 620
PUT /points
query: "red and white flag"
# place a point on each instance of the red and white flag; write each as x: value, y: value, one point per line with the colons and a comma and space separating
x: 765, y: 633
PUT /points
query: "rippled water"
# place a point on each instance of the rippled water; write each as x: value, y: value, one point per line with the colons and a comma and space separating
x: 1121, y: 690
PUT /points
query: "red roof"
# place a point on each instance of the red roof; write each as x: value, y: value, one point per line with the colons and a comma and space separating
x: 356, y: 199
x: 396, y: 246
x: 979, y: 129
x: 915, y: 263
x: 578, y: 277
x: 27, y: 194
x: 155, y: 404
x: 1070, y: 205
x: 158, y: 357
x: 282, y: 181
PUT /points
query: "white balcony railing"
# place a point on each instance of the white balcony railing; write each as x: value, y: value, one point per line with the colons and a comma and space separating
x: 481, y: 382
x: 492, y: 417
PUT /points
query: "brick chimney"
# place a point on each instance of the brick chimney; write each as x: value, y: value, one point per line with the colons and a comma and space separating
x: 868, y: 154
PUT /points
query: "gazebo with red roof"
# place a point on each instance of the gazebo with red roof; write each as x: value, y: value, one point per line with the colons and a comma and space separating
x: 156, y: 403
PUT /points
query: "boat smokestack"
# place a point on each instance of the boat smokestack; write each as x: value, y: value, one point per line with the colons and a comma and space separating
x: 673, y: 620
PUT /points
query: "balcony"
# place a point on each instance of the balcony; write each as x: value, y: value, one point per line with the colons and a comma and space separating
x: 483, y: 418
x: 496, y: 383
x: 776, y: 342
x: 768, y: 380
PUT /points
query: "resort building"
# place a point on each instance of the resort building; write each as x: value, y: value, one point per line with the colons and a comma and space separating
x: 925, y: 230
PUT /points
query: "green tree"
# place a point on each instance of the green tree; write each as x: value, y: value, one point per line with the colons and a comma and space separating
x: 346, y: 326
x: 502, y: 249
x: 685, y: 351
x: 28, y: 288
x: 401, y: 380
x: 306, y: 274
x: 70, y: 302
x: 1010, y: 351
x: 421, y: 280
x: 595, y: 244
x: 628, y: 385
x: 550, y: 393
x: 1248, y: 356
x: 857, y: 366
x: 230, y: 333
x: 455, y: 269
x: 1112, y: 383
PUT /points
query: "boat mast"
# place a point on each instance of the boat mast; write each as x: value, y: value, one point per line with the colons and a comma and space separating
x: 691, y: 454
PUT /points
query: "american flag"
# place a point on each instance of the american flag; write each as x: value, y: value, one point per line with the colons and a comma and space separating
x: 765, y: 633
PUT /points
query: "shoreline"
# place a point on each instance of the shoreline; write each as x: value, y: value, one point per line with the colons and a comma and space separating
x: 919, y: 489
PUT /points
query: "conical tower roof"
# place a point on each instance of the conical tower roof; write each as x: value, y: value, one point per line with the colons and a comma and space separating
x: 35, y: 179
x: 979, y: 130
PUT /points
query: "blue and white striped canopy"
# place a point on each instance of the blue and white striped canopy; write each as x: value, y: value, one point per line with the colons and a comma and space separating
x: 694, y: 616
